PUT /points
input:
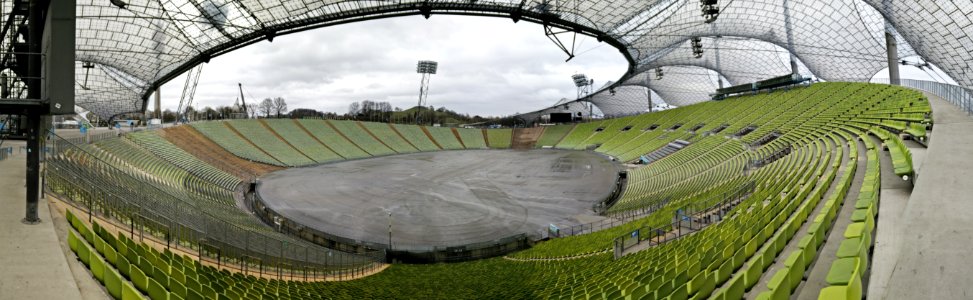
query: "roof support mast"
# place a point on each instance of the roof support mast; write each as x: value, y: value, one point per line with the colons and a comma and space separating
x: 892, y: 49
x: 790, y: 37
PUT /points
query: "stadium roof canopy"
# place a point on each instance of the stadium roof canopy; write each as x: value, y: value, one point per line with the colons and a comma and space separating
x: 148, y: 42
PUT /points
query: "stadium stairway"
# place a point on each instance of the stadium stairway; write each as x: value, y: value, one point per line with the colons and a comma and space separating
x: 525, y: 138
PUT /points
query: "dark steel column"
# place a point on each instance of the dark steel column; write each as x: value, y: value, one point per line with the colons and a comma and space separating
x: 36, y: 30
x: 33, y: 167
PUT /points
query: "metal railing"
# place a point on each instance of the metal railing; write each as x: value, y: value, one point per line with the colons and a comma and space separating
x: 959, y: 96
x: 688, y: 219
x: 151, y: 212
x: 613, y: 220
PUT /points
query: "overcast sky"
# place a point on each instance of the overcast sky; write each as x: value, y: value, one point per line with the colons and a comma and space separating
x: 487, y: 66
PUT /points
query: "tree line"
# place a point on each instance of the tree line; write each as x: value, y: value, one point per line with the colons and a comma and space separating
x: 366, y: 110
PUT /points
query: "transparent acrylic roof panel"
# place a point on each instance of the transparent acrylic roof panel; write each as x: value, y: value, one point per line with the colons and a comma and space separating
x: 740, y: 60
x: 939, y: 31
x: 150, y: 41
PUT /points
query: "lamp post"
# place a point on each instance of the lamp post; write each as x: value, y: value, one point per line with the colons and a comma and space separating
x: 427, y: 68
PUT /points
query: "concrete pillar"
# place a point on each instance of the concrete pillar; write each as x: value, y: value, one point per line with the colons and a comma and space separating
x: 892, y: 47
x: 158, y: 103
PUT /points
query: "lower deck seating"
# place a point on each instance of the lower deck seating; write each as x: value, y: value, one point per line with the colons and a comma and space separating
x: 724, y: 260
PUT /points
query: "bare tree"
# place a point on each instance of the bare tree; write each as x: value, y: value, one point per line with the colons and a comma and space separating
x: 252, y: 110
x: 280, y: 106
x: 353, y: 109
x: 267, y: 107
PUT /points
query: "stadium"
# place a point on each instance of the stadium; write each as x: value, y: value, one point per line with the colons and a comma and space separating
x: 797, y: 161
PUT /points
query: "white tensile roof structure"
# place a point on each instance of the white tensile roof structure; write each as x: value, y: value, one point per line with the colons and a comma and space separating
x: 148, y: 42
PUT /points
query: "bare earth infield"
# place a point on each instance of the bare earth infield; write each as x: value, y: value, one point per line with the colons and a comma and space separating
x: 446, y: 198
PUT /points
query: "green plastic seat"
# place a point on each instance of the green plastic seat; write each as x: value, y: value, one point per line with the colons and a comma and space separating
x: 852, y: 247
x: 865, y: 216
x: 139, y: 279
x: 810, y: 251
x: 129, y: 292
x: 795, y: 264
x: 73, y: 241
x: 84, y: 253
x: 780, y: 281
x: 858, y: 230
x: 177, y: 288
x: 98, y: 267
x: 766, y: 295
x: 113, y: 283
x: 123, y: 266
x: 841, y: 271
x: 156, y: 291
x: 193, y: 295
x: 852, y: 291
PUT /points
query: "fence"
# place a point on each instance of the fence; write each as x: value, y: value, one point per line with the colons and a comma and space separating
x: 688, y: 219
x: 90, y: 138
x: 612, y: 221
x: 151, y: 211
x: 403, y: 252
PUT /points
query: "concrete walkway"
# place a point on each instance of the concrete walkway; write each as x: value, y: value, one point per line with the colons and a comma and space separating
x: 935, y: 232
x: 31, y: 256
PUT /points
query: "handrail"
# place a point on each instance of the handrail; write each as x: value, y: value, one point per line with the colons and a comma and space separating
x: 957, y: 95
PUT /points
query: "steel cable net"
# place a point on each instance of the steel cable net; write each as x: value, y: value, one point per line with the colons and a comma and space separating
x: 152, y: 41
x: 740, y: 60
x: 626, y: 100
x: 679, y: 85
x: 939, y: 31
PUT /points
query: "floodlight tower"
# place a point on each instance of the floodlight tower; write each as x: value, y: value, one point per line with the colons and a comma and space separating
x: 584, y: 88
x: 427, y: 68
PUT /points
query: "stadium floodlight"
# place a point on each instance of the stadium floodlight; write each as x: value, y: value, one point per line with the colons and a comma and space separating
x: 580, y: 80
x: 584, y: 85
x: 426, y: 68
x: 710, y: 10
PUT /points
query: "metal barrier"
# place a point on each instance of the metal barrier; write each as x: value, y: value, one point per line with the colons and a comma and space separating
x: 402, y: 252
x: 613, y: 220
x: 188, y: 221
x: 959, y: 96
x: 688, y: 219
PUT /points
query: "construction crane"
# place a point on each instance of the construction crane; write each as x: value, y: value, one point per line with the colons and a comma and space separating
x: 243, y: 102
x: 188, y: 92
